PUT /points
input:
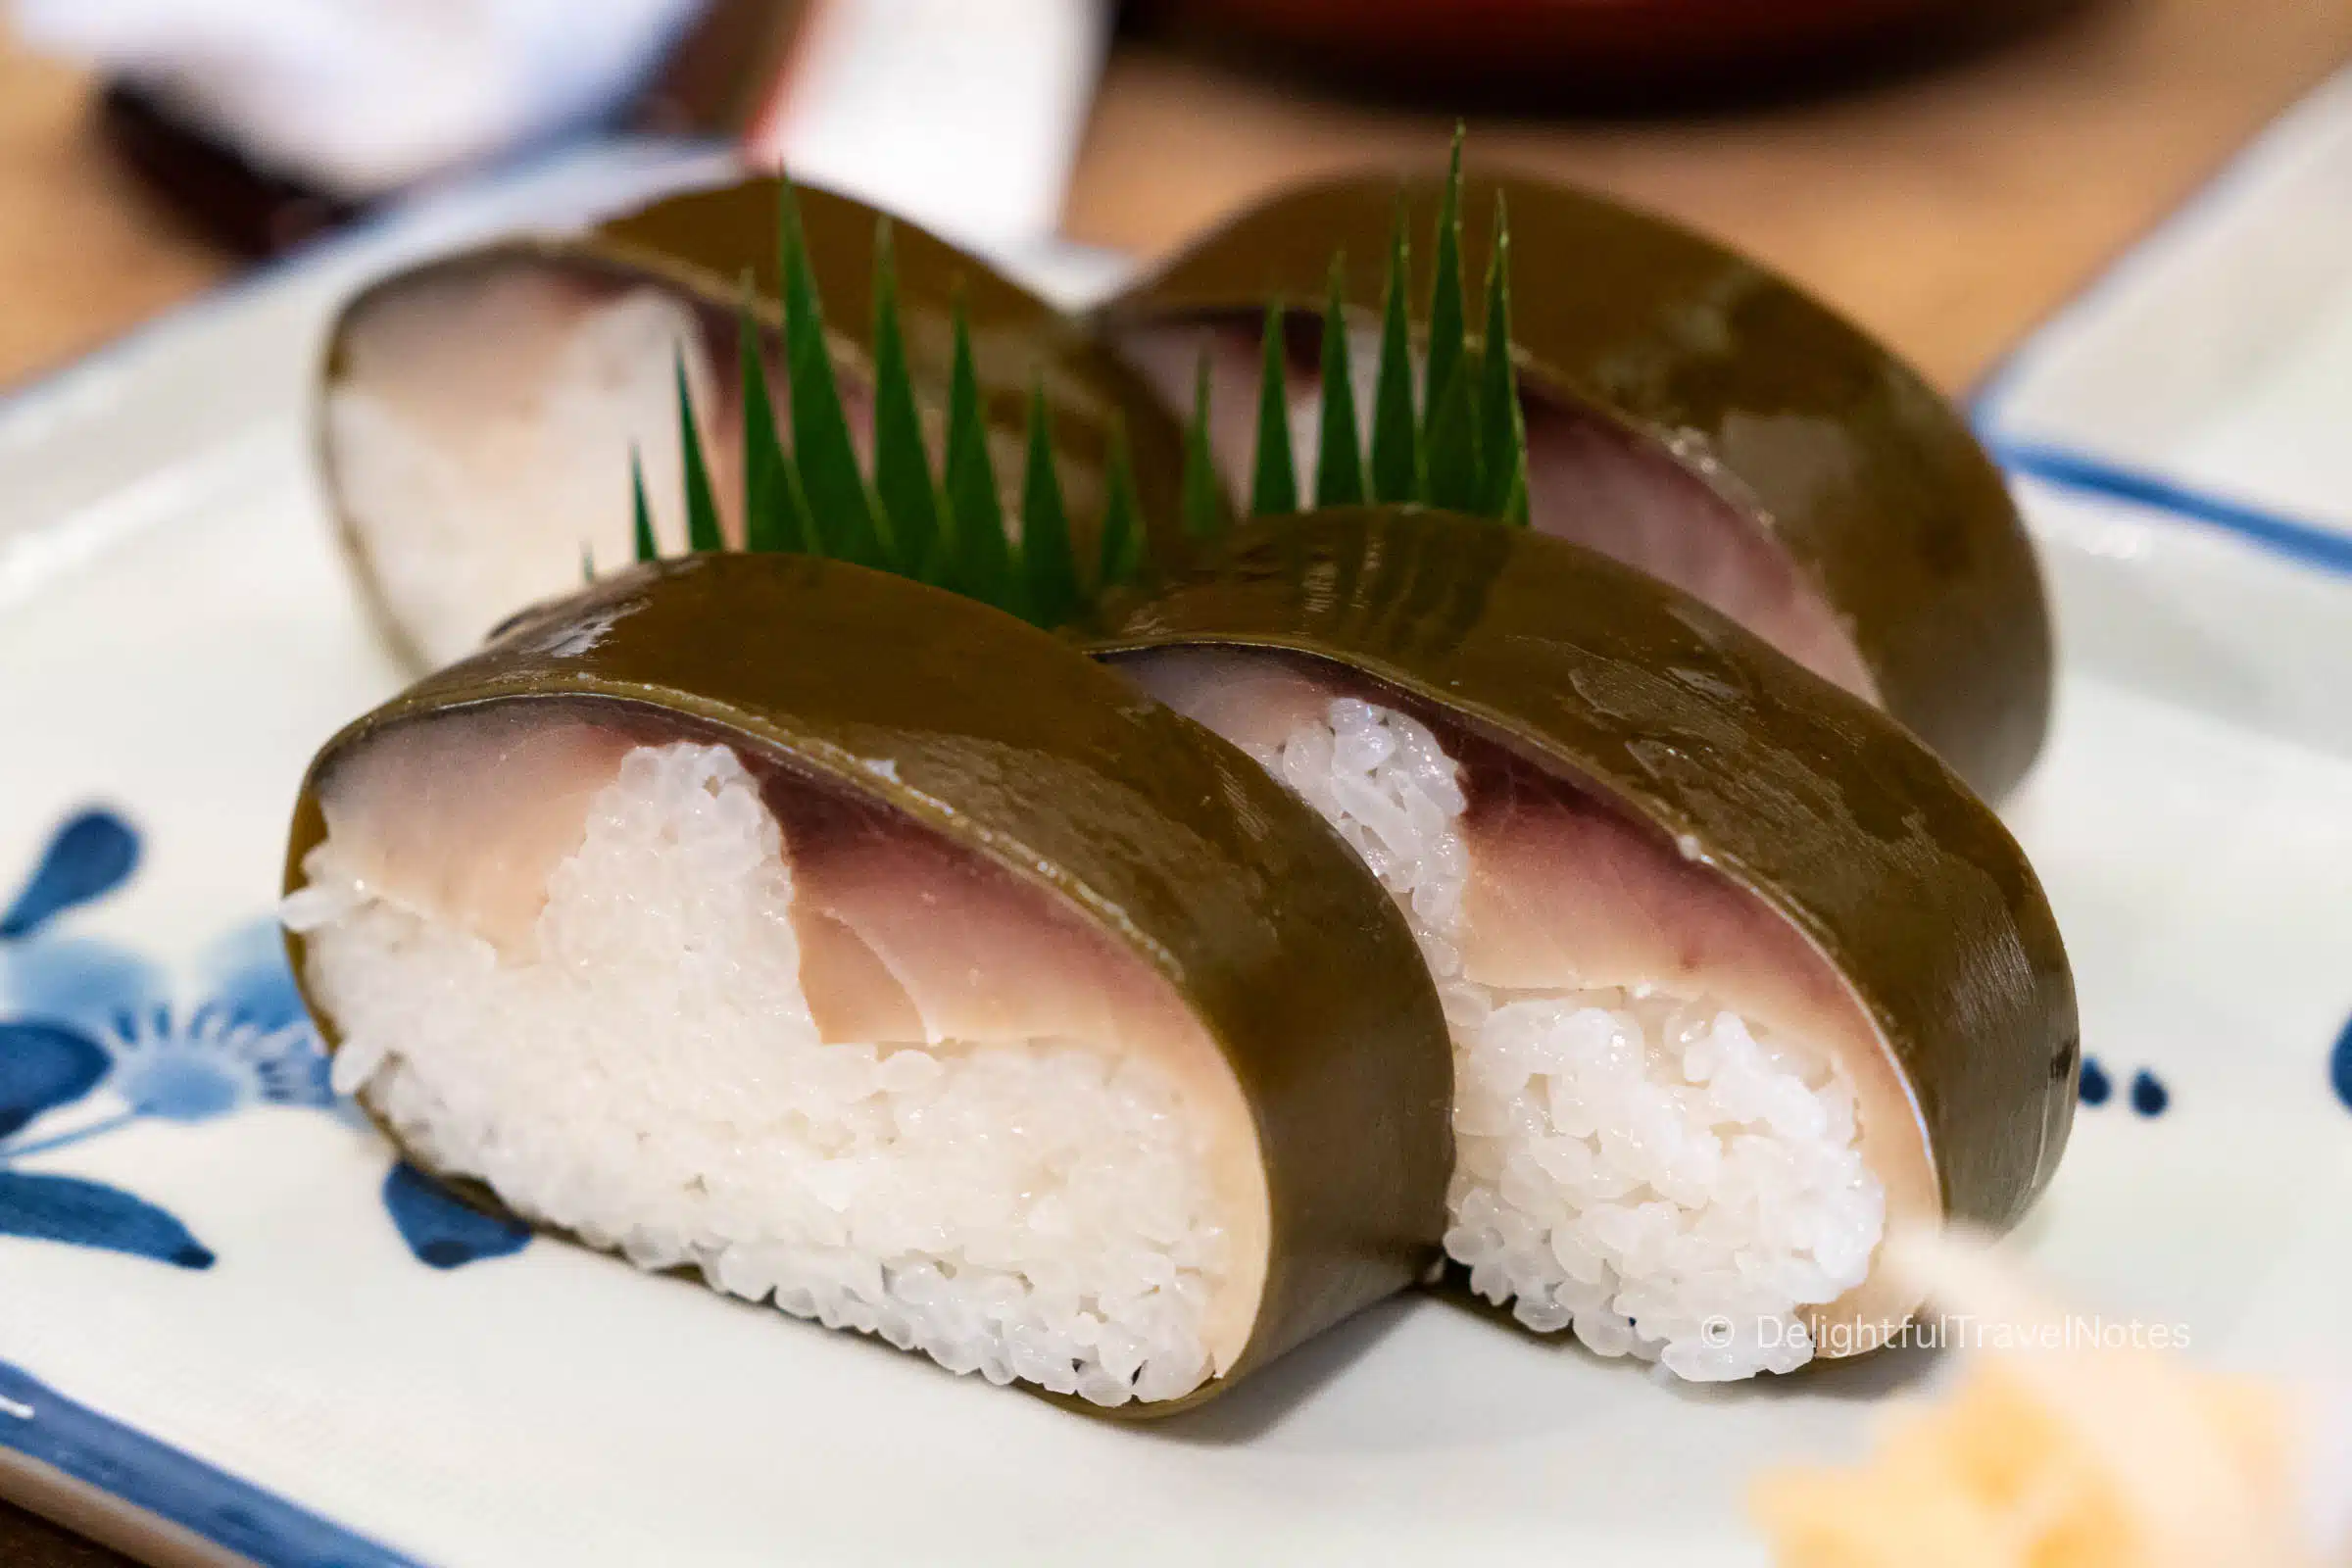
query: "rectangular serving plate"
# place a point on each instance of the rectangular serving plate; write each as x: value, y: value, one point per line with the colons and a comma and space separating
x: 177, y: 636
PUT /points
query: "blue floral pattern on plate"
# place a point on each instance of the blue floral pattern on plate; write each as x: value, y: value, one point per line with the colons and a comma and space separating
x: 95, y: 1037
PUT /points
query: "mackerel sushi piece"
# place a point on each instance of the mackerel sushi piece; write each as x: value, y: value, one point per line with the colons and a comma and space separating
x: 865, y: 950
x: 1686, y: 412
x: 478, y: 412
x: 1740, y: 977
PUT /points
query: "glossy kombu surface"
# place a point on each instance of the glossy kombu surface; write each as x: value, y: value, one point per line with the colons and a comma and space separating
x: 1802, y: 794
x: 959, y: 721
x: 1856, y: 470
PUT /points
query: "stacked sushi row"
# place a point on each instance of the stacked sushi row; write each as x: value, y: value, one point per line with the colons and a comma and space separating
x: 1096, y: 848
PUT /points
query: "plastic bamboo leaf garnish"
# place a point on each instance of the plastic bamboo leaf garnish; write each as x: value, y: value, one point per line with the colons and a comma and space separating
x: 839, y: 503
x: 1049, y: 565
x: 1462, y: 445
x: 774, y: 517
x: 701, y: 505
x: 1501, y: 425
x: 1450, y: 448
x: 977, y: 560
x: 642, y: 529
x: 902, y: 470
x: 1122, y: 554
x: 814, y: 499
x: 1340, y: 455
x: 1275, y: 489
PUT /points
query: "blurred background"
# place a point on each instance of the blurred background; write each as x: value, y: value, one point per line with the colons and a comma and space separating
x: 1947, y: 172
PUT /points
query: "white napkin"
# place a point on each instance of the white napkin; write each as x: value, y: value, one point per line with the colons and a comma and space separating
x: 363, y: 96
x: 962, y: 115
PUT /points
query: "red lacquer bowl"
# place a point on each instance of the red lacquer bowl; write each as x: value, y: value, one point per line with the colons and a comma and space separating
x: 1602, y: 43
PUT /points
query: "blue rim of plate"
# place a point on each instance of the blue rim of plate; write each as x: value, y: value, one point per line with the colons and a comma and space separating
x: 2304, y: 541
x: 43, y: 1425
x: 2309, y: 544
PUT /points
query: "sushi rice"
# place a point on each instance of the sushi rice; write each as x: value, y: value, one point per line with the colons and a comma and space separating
x: 649, y: 1079
x: 1645, y: 1169
x: 464, y: 508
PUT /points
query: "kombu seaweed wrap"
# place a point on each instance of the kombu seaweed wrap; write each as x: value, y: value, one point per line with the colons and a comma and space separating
x: 1740, y: 977
x: 1658, y: 973
x: 868, y: 950
x: 1686, y: 412
x: 478, y: 411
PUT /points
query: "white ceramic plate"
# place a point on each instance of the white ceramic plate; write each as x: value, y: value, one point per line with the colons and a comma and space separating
x: 259, y: 1341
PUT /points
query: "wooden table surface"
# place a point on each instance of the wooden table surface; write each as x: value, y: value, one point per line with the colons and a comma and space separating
x: 1947, y: 211
x: 82, y: 254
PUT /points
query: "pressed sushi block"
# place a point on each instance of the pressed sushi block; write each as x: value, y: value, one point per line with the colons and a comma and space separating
x: 1738, y: 974
x: 865, y: 950
x: 1686, y: 412
x: 477, y: 413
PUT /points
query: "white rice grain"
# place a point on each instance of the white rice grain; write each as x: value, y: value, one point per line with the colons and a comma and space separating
x: 651, y: 1081
x: 1649, y: 1172
x: 466, y: 513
